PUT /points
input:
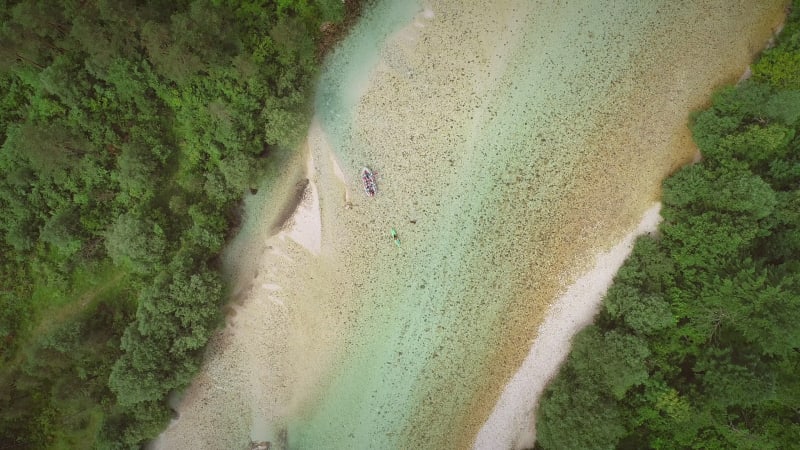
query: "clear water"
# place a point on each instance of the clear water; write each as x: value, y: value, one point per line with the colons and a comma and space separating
x: 520, y: 137
x: 350, y: 68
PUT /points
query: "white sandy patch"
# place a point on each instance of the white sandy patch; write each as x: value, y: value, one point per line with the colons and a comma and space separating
x: 512, y: 423
x: 339, y: 174
x: 420, y: 21
x: 306, y: 224
x: 280, y: 253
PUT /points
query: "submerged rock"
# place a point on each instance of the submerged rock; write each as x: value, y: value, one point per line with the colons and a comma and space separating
x: 261, y: 445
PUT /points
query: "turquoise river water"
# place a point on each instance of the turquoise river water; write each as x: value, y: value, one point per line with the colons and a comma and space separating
x: 513, y: 141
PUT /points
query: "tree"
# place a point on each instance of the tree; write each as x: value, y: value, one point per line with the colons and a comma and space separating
x: 137, y: 243
x: 615, y: 369
x: 61, y: 232
x: 162, y: 348
x: 137, y: 171
x: 758, y: 145
x: 51, y: 149
x: 776, y: 68
x: 578, y: 416
x: 642, y: 313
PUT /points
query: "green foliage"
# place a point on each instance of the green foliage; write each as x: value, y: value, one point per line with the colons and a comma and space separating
x: 616, y: 369
x: 560, y: 426
x: 173, y: 321
x: 642, y: 314
x: 136, y: 243
x: 128, y: 133
x: 697, y: 342
x: 778, y: 66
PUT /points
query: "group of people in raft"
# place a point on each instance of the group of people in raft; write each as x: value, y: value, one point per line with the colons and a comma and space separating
x: 371, y: 188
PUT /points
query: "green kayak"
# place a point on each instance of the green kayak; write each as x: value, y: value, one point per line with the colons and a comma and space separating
x: 396, y: 238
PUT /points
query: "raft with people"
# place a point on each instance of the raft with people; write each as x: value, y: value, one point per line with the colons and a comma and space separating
x: 368, y: 179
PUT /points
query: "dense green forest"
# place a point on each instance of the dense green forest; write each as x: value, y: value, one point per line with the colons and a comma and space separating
x: 130, y: 131
x: 697, y: 344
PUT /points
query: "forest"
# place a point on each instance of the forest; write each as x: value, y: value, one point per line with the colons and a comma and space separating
x: 129, y: 133
x: 697, y: 342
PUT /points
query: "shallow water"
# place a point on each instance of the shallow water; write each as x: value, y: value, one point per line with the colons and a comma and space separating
x: 521, y: 137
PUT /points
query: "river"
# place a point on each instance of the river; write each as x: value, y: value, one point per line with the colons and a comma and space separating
x: 514, y: 141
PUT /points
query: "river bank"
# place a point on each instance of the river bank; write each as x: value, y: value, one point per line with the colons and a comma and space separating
x: 512, y: 422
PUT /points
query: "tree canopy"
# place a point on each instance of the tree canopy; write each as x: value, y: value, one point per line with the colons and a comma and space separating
x: 129, y: 132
